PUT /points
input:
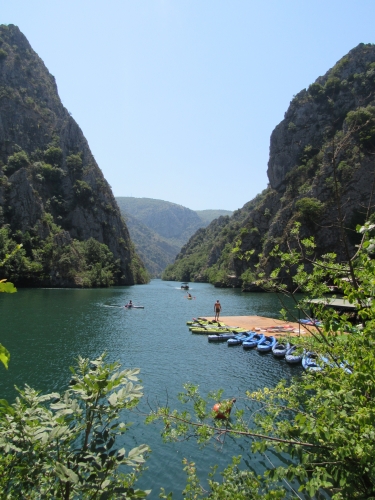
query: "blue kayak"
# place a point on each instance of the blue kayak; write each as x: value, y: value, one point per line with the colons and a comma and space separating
x: 279, y: 349
x: 221, y: 337
x: 266, y: 344
x: 291, y: 357
x: 253, y: 342
x: 241, y: 337
x: 310, y: 361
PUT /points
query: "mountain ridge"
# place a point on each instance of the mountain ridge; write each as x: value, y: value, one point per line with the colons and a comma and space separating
x: 320, y: 169
x: 160, y: 228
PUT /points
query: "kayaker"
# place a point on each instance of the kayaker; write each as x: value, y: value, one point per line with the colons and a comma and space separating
x: 217, y: 309
x: 130, y: 304
x: 189, y: 295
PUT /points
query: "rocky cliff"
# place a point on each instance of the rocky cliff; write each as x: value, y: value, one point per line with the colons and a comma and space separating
x: 50, y: 183
x: 321, y: 171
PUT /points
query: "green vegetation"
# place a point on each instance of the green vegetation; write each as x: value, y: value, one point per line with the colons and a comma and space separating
x: 310, y: 208
x: 54, y: 156
x: 17, y: 161
x: 56, y: 258
x: 6, y: 287
x: 66, y: 445
x: 212, y: 252
x: 174, y: 223
x: 363, y: 121
x: 74, y: 163
x: 46, y: 167
x: 82, y: 190
x: 209, y: 215
x: 159, y: 229
x: 155, y: 251
x: 322, y: 422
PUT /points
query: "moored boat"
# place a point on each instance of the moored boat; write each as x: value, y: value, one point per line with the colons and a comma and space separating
x: 292, y: 357
x: 253, y: 342
x: 266, y: 344
x: 205, y: 330
x: 279, y: 349
x: 310, y: 361
x: 220, y: 337
x: 241, y: 337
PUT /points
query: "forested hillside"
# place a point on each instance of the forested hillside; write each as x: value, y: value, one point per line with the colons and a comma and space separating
x: 321, y: 173
x: 208, y: 216
x: 160, y: 228
x: 156, y: 252
x: 169, y: 220
x: 54, y: 200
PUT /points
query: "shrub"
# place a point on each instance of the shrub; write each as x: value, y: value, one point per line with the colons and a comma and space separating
x: 82, y: 190
x: 3, y: 54
x: 363, y: 119
x: 74, y: 162
x: 316, y: 91
x: 51, y: 173
x: 54, y: 156
x: 68, y: 445
x: 310, y: 208
x: 332, y: 85
x: 17, y: 161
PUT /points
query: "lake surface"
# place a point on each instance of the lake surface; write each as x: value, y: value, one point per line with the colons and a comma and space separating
x: 45, y: 329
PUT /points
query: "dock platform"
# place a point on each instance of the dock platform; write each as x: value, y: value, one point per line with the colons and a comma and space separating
x: 261, y: 323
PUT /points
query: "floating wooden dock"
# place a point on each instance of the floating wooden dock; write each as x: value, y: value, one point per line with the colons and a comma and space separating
x: 261, y: 323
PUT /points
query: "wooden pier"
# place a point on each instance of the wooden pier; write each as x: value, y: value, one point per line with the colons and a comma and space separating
x: 261, y: 323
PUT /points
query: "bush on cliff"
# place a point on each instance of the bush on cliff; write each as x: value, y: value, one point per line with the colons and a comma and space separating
x: 16, y: 161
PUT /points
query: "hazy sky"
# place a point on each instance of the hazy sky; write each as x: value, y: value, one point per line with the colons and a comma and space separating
x: 178, y: 98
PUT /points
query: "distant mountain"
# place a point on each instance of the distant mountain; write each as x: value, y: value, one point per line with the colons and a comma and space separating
x: 159, y: 229
x: 169, y: 220
x: 210, y: 215
x: 155, y: 252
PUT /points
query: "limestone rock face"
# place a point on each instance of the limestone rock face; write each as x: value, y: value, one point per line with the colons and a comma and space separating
x: 321, y: 173
x: 307, y: 121
x: 59, y: 175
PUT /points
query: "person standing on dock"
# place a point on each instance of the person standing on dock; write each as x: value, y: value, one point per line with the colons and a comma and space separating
x: 217, y: 309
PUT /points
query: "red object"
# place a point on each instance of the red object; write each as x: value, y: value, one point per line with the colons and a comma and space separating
x: 223, y: 415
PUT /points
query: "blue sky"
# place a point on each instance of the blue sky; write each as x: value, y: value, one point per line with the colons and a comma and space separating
x: 178, y: 98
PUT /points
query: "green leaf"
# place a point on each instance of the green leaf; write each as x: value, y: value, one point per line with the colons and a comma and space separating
x: 66, y: 474
x: 7, y: 287
x: 4, y: 356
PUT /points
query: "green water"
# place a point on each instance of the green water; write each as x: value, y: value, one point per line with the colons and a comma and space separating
x: 45, y: 329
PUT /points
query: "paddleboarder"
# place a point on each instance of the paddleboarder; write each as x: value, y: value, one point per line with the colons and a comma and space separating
x: 217, y: 309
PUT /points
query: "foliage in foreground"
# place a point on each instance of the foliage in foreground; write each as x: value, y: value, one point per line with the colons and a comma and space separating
x: 323, y: 420
x: 66, y: 446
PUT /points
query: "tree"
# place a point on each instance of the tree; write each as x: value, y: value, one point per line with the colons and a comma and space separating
x: 7, y: 287
x: 324, y: 421
x: 65, y: 446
